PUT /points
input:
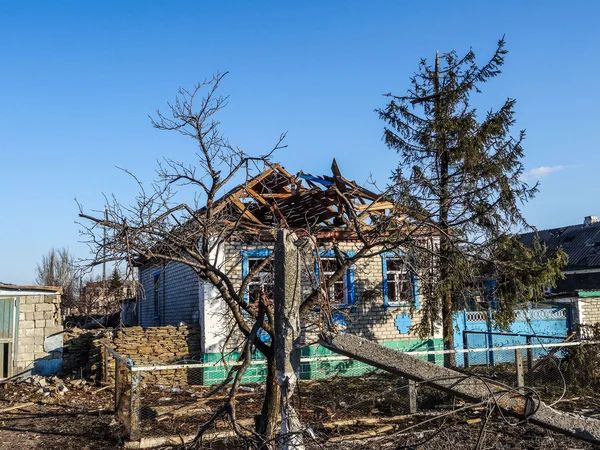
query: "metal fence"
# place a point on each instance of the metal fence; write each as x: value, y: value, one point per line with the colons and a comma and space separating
x: 167, y: 404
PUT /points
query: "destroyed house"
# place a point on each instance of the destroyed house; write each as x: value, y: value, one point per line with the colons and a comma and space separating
x: 373, y: 298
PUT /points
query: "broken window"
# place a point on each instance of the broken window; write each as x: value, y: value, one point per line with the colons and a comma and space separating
x: 261, y: 281
x: 337, y: 291
x: 399, y: 282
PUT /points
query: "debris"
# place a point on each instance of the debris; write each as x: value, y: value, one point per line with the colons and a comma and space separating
x: 246, y: 389
x: 11, y: 408
x: 101, y: 389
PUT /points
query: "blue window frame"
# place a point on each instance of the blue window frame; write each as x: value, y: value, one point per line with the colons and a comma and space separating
x: 343, y: 290
x: 247, y: 258
x: 400, y: 285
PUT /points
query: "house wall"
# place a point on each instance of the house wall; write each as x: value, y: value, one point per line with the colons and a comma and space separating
x: 367, y: 317
x: 589, y: 310
x: 178, y: 295
x: 39, y: 317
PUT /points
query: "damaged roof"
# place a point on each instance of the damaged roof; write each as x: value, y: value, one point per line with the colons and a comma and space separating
x: 581, y: 242
x: 276, y: 198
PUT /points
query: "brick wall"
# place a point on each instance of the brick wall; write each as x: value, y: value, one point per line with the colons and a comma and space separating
x: 589, y: 311
x: 368, y: 317
x: 39, y: 317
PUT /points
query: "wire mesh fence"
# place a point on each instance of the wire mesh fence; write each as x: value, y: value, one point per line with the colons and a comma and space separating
x: 167, y: 404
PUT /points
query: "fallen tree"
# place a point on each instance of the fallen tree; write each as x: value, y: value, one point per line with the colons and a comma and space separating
x: 523, y: 405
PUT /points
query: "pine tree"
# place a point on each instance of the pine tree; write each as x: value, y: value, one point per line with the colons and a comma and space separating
x: 463, y: 174
x: 115, y: 285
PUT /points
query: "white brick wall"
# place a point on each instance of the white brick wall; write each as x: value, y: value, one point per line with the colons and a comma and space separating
x: 368, y: 317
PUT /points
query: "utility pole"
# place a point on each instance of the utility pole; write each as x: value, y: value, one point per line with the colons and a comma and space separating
x: 104, y: 254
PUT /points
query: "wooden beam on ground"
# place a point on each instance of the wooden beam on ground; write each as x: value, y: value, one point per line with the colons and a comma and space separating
x: 469, y: 388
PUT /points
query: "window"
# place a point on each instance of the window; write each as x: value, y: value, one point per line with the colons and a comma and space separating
x: 399, y: 283
x: 337, y: 291
x: 156, y: 294
x: 261, y: 281
x: 342, y: 291
x: 264, y: 278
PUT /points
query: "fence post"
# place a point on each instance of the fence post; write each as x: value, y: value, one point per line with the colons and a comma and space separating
x: 412, y: 396
x: 490, y: 338
x: 519, y: 367
x: 105, y: 368
x: 135, y: 408
x: 465, y: 347
x: 529, y: 354
x: 117, y: 386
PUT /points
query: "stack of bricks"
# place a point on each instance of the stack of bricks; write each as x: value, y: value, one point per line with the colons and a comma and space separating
x: 39, y: 316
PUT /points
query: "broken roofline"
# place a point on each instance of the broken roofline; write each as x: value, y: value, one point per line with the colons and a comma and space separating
x: 275, y: 198
x: 329, y: 207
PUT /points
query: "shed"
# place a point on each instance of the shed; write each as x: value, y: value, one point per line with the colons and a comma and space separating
x: 30, y: 329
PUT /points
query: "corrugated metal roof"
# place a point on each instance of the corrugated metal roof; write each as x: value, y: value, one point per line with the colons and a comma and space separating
x: 580, y: 242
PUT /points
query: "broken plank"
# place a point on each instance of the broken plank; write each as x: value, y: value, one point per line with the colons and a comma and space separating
x: 12, y: 408
x: 364, y: 435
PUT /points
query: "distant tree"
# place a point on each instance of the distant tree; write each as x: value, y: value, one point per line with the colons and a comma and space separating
x: 462, y: 174
x: 57, y: 268
x: 115, y: 285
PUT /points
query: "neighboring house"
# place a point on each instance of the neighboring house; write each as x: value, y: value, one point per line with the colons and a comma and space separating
x: 373, y: 298
x: 98, y: 298
x: 581, y: 286
x: 30, y: 329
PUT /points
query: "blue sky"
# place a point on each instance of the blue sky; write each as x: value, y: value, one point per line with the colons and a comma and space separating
x: 79, y: 79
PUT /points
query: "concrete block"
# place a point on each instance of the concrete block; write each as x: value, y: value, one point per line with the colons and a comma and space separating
x: 48, y: 315
x: 44, y: 307
x: 40, y: 323
x: 23, y: 325
x: 26, y: 308
x: 26, y: 332
x: 38, y: 315
x: 26, y: 349
x: 24, y: 342
x: 25, y: 358
x: 39, y: 331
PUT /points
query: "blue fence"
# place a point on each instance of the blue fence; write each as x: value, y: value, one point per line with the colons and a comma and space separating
x: 474, y: 329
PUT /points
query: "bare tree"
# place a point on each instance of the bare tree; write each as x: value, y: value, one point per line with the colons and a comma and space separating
x: 57, y: 268
x: 157, y: 226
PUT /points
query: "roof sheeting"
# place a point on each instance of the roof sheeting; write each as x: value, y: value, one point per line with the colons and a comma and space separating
x: 580, y: 242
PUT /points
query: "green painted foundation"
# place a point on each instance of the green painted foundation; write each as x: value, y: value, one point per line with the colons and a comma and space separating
x: 315, y: 370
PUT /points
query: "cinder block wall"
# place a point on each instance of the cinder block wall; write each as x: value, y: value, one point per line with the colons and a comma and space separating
x: 39, y: 316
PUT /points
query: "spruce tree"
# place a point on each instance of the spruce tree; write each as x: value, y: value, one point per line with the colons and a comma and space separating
x: 461, y: 174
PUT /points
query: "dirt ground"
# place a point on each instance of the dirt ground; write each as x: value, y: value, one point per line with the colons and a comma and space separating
x: 81, y: 417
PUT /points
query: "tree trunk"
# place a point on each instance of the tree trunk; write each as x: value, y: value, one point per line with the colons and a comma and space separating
x: 444, y: 207
x: 266, y: 422
x: 286, y: 344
